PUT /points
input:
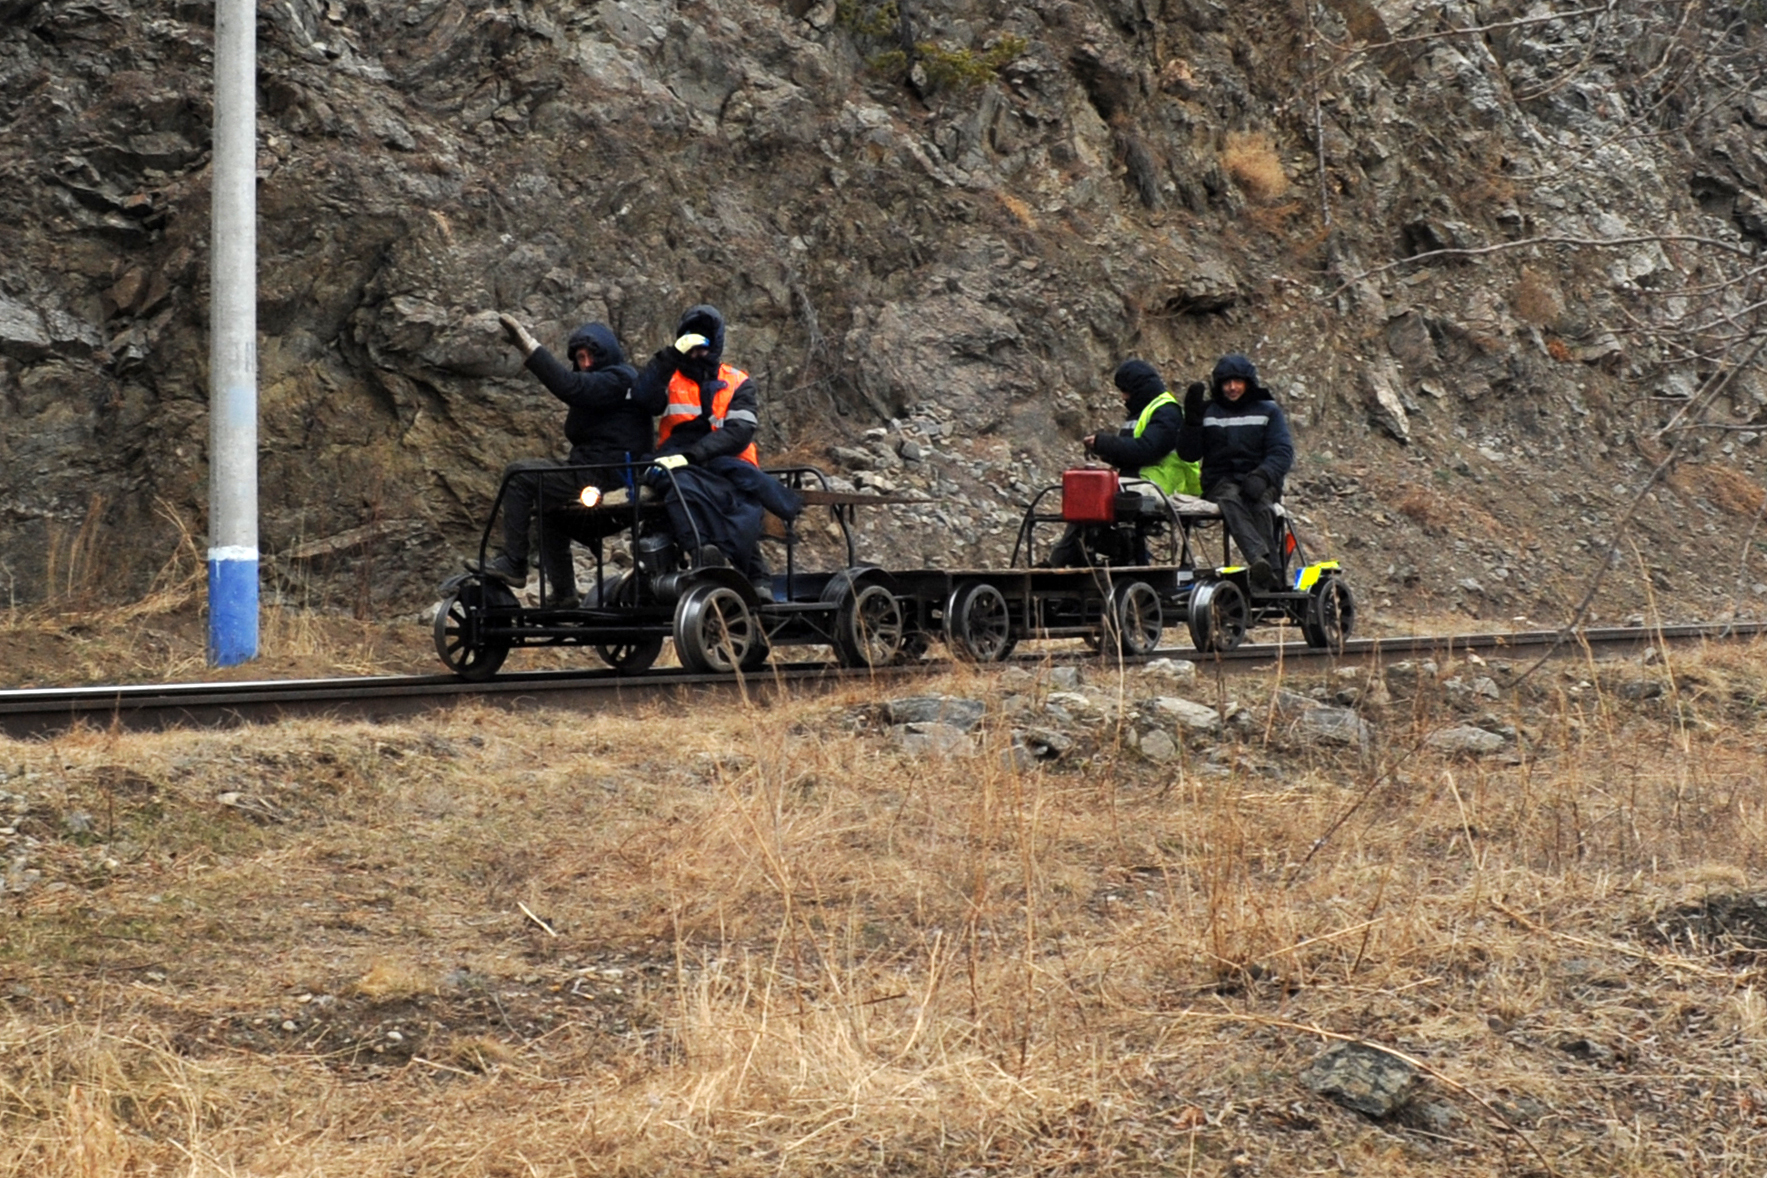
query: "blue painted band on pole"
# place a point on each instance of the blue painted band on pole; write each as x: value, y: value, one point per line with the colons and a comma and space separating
x: 233, y: 606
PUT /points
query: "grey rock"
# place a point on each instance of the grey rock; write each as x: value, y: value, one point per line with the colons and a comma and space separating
x: 1640, y: 689
x: 931, y: 737
x: 1066, y: 678
x: 1385, y: 405
x: 957, y: 711
x: 1156, y: 746
x: 22, y: 334
x: 1335, y: 726
x: 1587, y: 1050
x: 1292, y: 703
x: 1189, y: 716
x: 1466, y: 740
x: 1179, y: 669
x: 1362, y: 1078
x: 1043, y: 744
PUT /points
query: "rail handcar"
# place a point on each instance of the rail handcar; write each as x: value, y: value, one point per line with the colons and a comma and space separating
x: 1132, y: 561
x: 717, y: 619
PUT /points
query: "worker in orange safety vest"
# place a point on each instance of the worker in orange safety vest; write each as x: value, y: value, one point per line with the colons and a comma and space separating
x: 706, y: 460
x: 712, y: 409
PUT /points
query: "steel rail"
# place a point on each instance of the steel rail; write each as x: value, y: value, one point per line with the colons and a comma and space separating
x: 34, y: 712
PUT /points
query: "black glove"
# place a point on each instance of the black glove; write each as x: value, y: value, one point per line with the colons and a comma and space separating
x: 667, y: 359
x: 1195, y: 401
x: 1254, y: 486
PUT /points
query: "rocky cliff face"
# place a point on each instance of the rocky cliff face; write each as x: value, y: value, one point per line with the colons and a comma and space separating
x: 1483, y: 269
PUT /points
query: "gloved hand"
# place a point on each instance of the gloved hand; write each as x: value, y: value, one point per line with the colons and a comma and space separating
x: 1254, y: 486
x: 691, y: 341
x: 1195, y: 401
x: 671, y: 462
x: 518, y: 335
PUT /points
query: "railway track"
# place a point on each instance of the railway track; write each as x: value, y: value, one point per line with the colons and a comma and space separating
x: 44, y: 711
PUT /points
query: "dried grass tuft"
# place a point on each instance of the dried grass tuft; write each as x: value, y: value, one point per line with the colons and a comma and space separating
x: 1726, y: 487
x: 1021, y: 211
x: 1536, y: 298
x: 1251, y: 159
x: 392, y: 981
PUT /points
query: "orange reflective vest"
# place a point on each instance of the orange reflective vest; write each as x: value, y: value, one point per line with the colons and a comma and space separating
x: 684, y: 405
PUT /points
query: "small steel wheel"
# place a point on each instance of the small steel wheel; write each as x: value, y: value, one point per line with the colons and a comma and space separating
x: 1218, y: 616
x: 715, y: 631
x: 1133, y: 622
x: 461, y: 625
x: 978, y: 625
x: 620, y: 591
x: 1331, y: 615
x: 868, y: 628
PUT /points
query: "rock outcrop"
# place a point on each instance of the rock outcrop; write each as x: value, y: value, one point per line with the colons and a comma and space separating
x: 1484, y: 252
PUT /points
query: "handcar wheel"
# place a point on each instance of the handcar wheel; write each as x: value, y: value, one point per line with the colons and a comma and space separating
x: 628, y: 658
x: 1134, y: 621
x: 716, y: 632
x: 1331, y: 615
x: 978, y: 625
x: 460, y: 629
x: 868, y: 628
x: 1219, y: 616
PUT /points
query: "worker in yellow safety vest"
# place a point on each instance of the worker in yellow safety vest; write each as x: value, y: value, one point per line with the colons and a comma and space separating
x: 1146, y: 446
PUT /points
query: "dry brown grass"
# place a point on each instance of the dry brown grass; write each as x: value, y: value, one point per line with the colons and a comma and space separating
x: 1536, y: 298
x: 1440, y: 513
x: 765, y: 942
x: 1251, y: 159
x: 1725, y: 486
x: 1021, y: 212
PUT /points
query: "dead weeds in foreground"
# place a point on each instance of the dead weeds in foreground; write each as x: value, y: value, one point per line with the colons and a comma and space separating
x: 768, y: 941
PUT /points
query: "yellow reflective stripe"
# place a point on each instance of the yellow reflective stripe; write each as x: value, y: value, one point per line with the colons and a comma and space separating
x: 1309, y: 576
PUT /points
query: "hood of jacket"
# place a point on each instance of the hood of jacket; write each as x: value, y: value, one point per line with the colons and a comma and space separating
x: 603, y: 345
x: 708, y: 321
x: 1237, y: 365
x: 1139, y: 383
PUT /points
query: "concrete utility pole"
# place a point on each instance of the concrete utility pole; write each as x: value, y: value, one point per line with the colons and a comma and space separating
x: 233, y: 340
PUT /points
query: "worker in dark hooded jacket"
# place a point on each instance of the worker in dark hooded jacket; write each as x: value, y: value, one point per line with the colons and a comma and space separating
x: 706, y: 450
x: 1144, y: 448
x: 1239, y: 434
x: 608, y: 424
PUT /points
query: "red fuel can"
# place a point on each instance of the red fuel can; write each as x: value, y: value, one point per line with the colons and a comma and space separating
x: 1089, y: 496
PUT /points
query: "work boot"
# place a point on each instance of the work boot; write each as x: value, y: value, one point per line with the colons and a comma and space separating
x: 506, y: 568
x: 561, y: 582
x: 1262, y: 579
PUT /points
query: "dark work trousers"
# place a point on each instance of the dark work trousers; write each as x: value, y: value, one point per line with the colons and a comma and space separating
x: 1250, y: 522
x: 536, y: 491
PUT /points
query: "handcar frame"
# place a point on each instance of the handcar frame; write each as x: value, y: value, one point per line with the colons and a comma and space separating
x: 718, y: 621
